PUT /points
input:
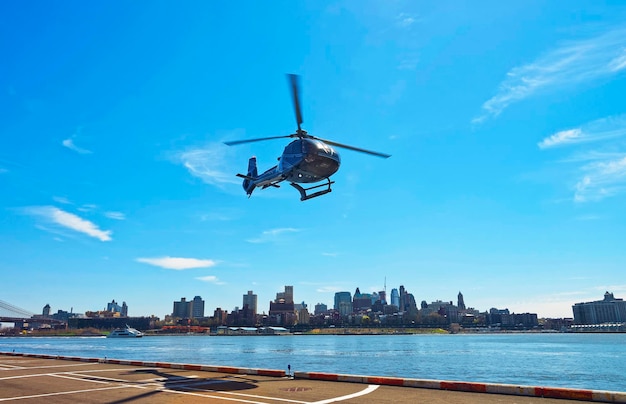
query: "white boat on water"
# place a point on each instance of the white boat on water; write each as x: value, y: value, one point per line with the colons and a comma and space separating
x: 127, y: 332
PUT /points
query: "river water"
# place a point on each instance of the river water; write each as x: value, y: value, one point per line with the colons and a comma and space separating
x: 588, y: 361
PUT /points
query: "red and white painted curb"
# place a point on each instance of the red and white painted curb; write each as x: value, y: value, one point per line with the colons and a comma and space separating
x: 494, y: 388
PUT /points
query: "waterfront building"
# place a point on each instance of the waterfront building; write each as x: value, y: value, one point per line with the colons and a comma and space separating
x: 243, y: 317
x: 197, y: 307
x: 287, y: 295
x: 46, y: 311
x: 382, y: 297
x: 181, y: 308
x: 361, y: 301
x: 303, y: 314
x: 345, y: 308
x: 282, y: 313
x: 407, y: 301
x: 250, y: 299
x: 220, y: 316
x: 444, y: 309
x: 320, y: 308
x: 343, y: 297
x: 282, y: 309
x: 114, y: 307
x: 189, y: 308
x: 402, y: 298
x: 608, y: 310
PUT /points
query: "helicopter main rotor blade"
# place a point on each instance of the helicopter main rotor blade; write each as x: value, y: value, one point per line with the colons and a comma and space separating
x: 236, y: 142
x: 293, y: 78
x: 358, y: 149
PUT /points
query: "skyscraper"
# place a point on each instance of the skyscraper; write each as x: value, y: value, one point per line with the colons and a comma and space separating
x: 181, y: 308
x: 287, y: 295
x: 608, y: 310
x: 395, y: 297
x: 197, y: 307
x: 320, y: 308
x: 251, y: 300
x: 460, y: 303
x: 343, y: 302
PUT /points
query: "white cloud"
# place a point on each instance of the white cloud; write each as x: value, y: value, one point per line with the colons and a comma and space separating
x: 70, y: 221
x: 601, y: 129
x: 69, y: 143
x: 619, y: 63
x: 272, y: 235
x: 210, y: 279
x: 560, y: 138
x: 405, y: 20
x: 600, y: 173
x: 178, y: 263
x: 602, y: 179
x: 115, y: 215
x: 328, y: 254
x: 209, y: 164
x: 571, y: 64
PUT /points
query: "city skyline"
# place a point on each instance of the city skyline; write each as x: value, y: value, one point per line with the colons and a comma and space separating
x: 504, y: 121
x: 185, y: 308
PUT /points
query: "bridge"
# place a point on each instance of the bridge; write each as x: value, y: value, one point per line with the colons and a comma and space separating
x: 18, y: 316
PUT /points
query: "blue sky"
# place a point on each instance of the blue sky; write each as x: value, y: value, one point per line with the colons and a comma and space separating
x: 505, y: 121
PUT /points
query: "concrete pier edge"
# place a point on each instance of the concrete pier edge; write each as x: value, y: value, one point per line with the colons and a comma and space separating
x: 494, y: 388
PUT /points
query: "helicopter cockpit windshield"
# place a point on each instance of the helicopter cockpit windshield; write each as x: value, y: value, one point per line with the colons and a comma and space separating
x: 322, y: 149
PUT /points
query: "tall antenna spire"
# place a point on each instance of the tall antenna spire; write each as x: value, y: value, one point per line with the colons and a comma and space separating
x: 385, y: 285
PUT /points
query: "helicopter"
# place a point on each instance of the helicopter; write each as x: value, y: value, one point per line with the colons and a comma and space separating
x: 306, y: 160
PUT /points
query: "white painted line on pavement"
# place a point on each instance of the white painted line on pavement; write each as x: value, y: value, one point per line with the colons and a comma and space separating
x: 62, y: 393
x: 368, y: 390
x: 82, y: 379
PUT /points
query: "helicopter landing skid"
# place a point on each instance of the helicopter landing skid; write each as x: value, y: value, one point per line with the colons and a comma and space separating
x: 303, y: 194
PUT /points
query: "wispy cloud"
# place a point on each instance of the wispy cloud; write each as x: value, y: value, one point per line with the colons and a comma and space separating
x: 69, y: 220
x: 69, y: 143
x: 602, y: 174
x: 571, y: 64
x: 329, y: 254
x: 177, y: 263
x: 272, y: 235
x: 3, y: 170
x: 209, y: 164
x: 561, y: 138
x: 601, y: 129
x: 405, y: 20
x: 210, y: 279
x: 601, y: 179
x: 115, y: 215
